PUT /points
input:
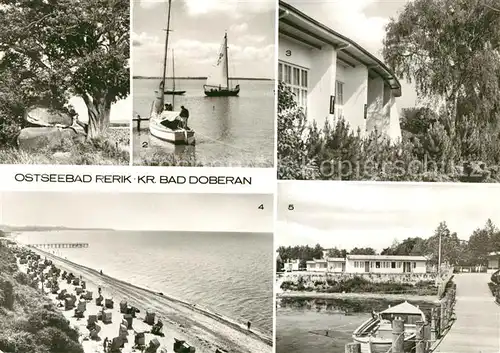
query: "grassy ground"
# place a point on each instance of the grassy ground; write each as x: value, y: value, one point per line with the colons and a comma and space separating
x: 109, y: 149
x: 28, y: 322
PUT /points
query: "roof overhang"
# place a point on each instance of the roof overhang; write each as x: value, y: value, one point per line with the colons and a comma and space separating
x: 301, y: 28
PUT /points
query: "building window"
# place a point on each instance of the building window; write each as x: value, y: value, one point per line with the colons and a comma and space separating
x: 296, y: 78
x: 371, y: 264
x: 399, y: 264
x: 339, y: 99
x: 377, y: 264
x: 414, y: 265
x: 393, y: 264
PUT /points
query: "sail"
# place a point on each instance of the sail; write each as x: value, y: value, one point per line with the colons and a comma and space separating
x: 219, y: 75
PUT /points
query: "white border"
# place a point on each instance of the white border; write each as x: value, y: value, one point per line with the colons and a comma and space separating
x: 263, y: 180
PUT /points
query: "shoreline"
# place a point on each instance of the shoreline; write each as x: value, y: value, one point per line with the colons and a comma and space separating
x: 204, y: 329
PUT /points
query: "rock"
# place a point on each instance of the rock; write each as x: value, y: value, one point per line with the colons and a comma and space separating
x: 36, y: 138
x: 42, y: 116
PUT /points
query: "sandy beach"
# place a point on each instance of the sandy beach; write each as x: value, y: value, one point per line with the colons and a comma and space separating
x: 199, y: 327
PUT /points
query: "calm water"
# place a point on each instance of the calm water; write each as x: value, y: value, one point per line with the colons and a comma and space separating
x: 299, y: 331
x: 301, y: 325
x: 229, y: 273
x: 230, y: 131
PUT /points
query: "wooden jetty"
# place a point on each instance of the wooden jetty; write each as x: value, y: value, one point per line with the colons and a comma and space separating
x: 138, y: 118
x: 477, y: 326
x: 59, y: 245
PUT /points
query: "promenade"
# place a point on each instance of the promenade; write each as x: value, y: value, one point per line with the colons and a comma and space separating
x: 477, y: 328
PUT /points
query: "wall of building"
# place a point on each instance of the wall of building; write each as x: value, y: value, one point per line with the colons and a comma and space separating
x: 355, y: 96
x: 317, y: 267
x: 376, y: 115
x: 359, y: 89
x: 382, y: 112
x: 321, y: 84
x: 335, y: 267
x: 300, y: 55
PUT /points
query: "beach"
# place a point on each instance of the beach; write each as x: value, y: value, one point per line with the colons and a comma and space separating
x: 199, y: 327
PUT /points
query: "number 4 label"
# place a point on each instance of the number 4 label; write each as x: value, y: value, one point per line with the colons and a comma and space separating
x: 261, y: 206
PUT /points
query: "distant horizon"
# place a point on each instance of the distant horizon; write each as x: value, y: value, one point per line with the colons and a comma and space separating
x: 35, y: 228
x: 200, y: 78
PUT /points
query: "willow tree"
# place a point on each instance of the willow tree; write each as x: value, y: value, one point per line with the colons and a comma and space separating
x: 450, y: 50
x: 60, y: 48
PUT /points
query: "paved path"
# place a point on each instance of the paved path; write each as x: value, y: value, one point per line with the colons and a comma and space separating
x: 477, y: 329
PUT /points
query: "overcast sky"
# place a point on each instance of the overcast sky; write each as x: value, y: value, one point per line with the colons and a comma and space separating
x: 198, y: 29
x: 364, y: 22
x: 348, y: 215
x: 182, y: 212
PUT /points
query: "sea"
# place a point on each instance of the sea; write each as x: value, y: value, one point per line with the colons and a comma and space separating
x: 228, y: 273
x: 230, y: 131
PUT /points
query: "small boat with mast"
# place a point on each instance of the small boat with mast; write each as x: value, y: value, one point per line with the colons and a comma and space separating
x: 217, y: 84
x: 165, y: 124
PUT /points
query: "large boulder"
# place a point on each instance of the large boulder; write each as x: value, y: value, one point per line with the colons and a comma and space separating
x: 36, y: 138
x: 43, y: 116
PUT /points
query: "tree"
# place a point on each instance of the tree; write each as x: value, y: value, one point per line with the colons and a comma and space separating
x: 294, y: 162
x: 417, y: 120
x: 450, y: 50
x: 450, y: 245
x: 58, y: 48
x: 334, y: 252
x: 362, y: 251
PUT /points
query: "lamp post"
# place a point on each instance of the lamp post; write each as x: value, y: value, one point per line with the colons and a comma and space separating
x: 439, y: 256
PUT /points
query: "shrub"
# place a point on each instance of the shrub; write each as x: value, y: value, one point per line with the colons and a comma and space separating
x: 433, y: 147
x: 6, y: 294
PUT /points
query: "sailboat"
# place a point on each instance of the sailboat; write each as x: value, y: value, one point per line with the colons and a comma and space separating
x: 217, y: 84
x: 164, y: 124
x: 173, y: 91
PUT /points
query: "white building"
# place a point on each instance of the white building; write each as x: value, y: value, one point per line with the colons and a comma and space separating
x: 317, y: 265
x: 335, y: 264
x: 292, y: 265
x: 493, y: 261
x: 385, y: 264
x: 333, y: 77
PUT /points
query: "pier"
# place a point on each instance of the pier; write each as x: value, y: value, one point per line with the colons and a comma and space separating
x: 59, y: 245
x: 477, y: 324
x: 138, y: 118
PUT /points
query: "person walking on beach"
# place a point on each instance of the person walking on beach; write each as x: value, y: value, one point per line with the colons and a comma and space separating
x: 105, y: 344
x: 249, y: 324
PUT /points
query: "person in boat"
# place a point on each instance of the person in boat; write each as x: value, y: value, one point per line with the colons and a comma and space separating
x: 184, y: 115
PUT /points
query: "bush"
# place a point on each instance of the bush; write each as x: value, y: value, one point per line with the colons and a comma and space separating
x: 433, y: 148
x: 6, y: 294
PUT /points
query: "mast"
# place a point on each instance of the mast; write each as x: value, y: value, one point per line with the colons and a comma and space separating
x: 173, y: 70
x: 166, y: 46
x: 227, y: 62
x: 173, y: 79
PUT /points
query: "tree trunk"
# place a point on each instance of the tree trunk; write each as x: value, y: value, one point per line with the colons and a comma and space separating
x: 98, y: 110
